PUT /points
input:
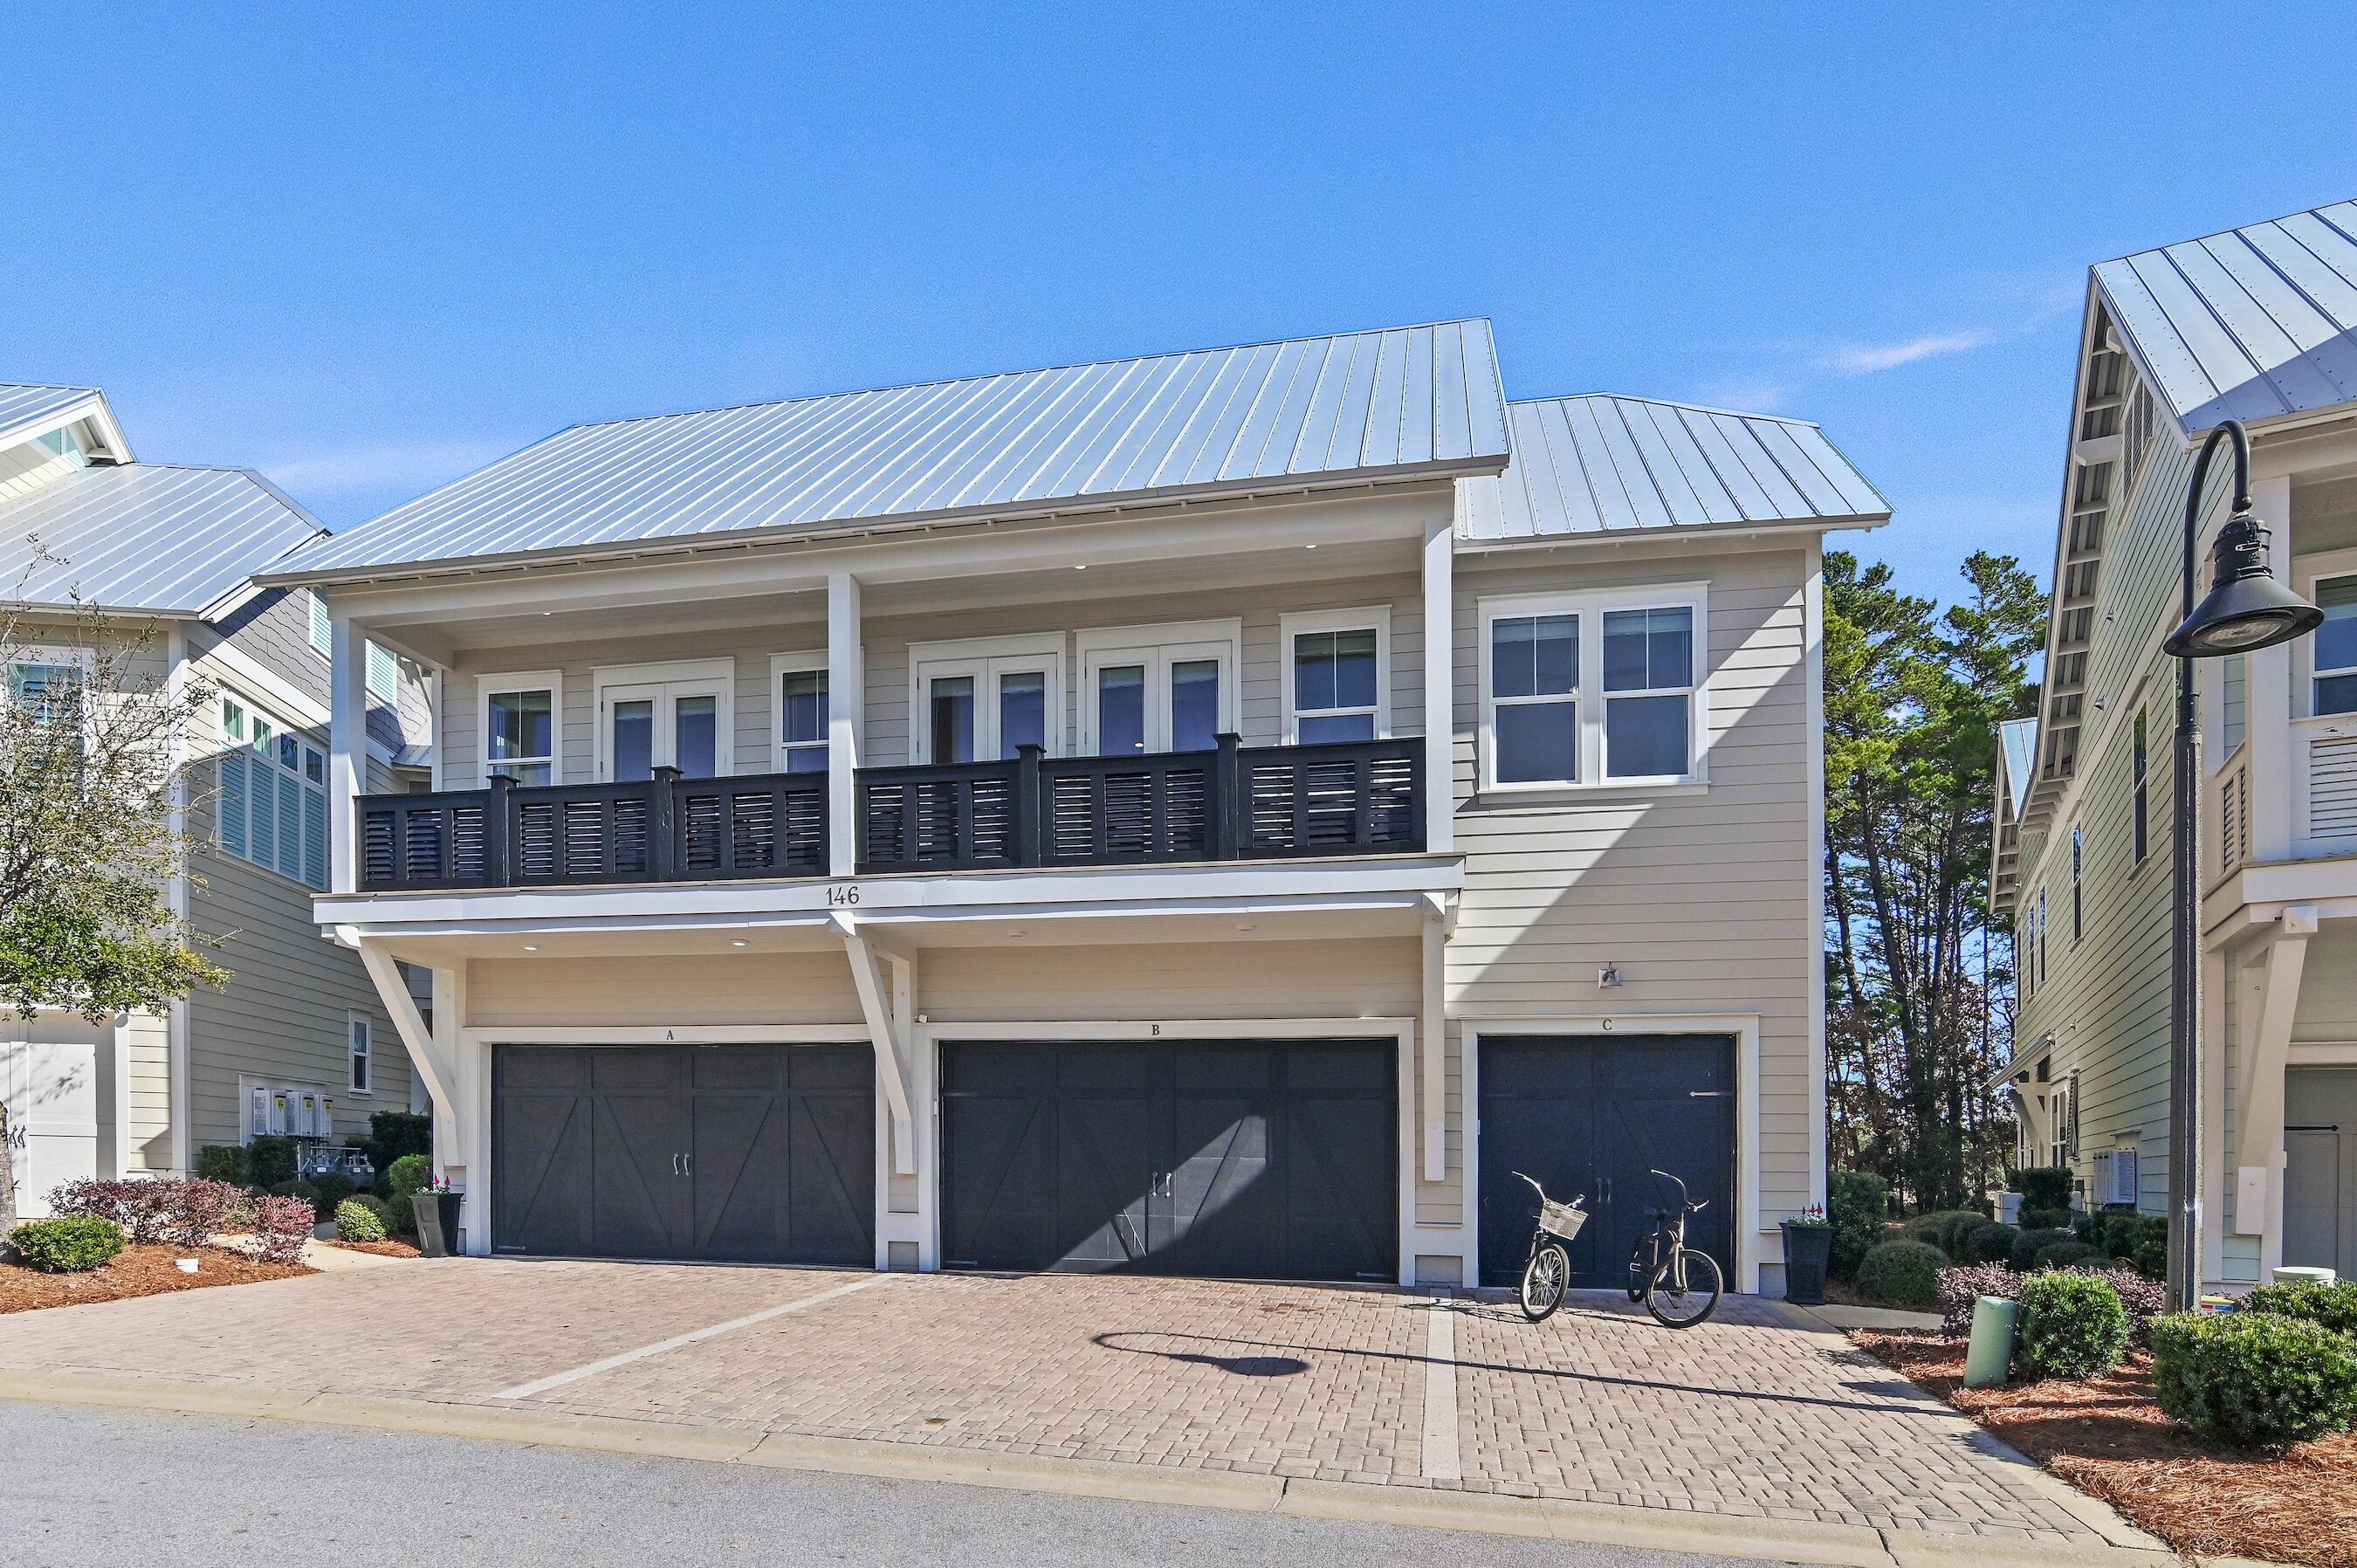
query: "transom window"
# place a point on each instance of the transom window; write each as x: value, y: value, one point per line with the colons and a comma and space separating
x: 519, y: 727
x: 2334, y: 648
x: 1591, y: 688
x: 272, y: 804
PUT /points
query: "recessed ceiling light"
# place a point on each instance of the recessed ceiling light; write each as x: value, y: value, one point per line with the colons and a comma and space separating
x: 1081, y: 567
x: 1309, y: 547
x: 1015, y: 936
x: 1247, y: 925
x: 737, y: 944
x: 529, y: 948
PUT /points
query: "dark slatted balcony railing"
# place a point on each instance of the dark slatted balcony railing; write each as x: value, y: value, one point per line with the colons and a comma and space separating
x: 664, y: 829
x: 1233, y: 804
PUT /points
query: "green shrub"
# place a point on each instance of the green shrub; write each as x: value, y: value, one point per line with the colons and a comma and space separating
x: 1991, y: 1242
x: 1902, y: 1273
x: 269, y: 1160
x: 393, y: 1133
x: 2024, y: 1256
x: 302, y: 1187
x: 2123, y: 1233
x: 2152, y: 1257
x: 2046, y: 1219
x: 222, y: 1162
x: 1956, y: 1231
x: 360, y: 1220
x: 2068, y: 1255
x: 2073, y: 1325
x: 2044, y: 1186
x: 2333, y: 1307
x: 2256, y: 1380
x: 1856, y: 1202
x: 410, y: 1173
x: 331, y: 1187
x: 68, y: 1244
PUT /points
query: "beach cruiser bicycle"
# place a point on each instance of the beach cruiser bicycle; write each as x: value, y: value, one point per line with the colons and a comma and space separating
x: 1547, y: 1274
x: 1679, y: 1285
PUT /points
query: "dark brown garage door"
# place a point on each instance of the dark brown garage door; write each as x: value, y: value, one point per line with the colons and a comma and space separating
x: 1231, y: 1158
x: 738, y: 1154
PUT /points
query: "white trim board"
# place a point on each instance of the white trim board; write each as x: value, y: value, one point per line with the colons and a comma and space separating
x: 1744, y: 1027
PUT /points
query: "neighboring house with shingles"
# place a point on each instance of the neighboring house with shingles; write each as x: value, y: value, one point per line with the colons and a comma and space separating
x: 297, y: 1043
x: 2257, y: 324
x: 1213, y: 813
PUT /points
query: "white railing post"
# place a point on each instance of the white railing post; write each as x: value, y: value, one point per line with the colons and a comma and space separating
x: 845, y: 722
x: 1439, y: 687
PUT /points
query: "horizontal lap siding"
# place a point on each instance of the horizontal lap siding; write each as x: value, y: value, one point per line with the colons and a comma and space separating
x: 709, y: 991
x: 886, y: 639
x: 1702, y: 897
x: 147, y: 1044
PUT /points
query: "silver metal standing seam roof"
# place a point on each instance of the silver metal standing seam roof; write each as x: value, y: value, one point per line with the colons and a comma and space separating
x: 26, y: 409
x: 2252, y: 324
x: 1600, y: 464
x: 145, y: 537
x: 1216, y: 421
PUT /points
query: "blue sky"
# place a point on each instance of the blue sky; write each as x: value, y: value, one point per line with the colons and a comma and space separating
x: 366, y: 250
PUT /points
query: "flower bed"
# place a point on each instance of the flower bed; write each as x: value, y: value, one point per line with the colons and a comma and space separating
x: 141, y: 1268
x: 2108, y: 1438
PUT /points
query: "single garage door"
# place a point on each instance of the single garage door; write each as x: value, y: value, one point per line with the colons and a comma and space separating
x: 1598, y: 1115
x: 1246, y: 1159
x: 48, y: 1078
x: 739, y: 1153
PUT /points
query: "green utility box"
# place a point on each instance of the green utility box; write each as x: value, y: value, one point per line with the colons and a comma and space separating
x: 1989, y: 1357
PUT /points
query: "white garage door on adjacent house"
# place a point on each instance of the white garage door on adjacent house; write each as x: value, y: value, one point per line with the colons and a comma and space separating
x: 49, y: 1076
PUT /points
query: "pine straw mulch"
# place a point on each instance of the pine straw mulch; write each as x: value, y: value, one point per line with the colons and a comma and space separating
x: 381, y: 1248
x: 2108, y: 1438
x: 141, y: 1269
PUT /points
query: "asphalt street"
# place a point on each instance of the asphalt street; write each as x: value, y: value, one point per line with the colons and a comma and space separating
x: 103, y: 1488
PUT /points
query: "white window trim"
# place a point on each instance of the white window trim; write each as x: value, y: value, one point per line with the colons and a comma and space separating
x: 1157, y: 648
x: 2307, y: 571
x: 1374, y: 618
x: 978, y: 657
x: 1590, y: 605
x: 781, y: 666
x: 718, y: 674
x: 552, y: 681
x: 359, y: 1047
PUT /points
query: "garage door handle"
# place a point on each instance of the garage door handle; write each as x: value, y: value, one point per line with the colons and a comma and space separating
x: 1705, y: 1093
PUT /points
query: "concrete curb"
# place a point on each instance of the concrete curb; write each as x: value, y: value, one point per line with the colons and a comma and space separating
x: 1835, y: 1545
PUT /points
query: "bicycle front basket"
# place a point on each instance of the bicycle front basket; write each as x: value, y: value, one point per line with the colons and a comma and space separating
x: 1561, y: 1219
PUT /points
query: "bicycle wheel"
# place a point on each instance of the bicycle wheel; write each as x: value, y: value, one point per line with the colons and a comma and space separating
x: 1640, y: 1268
x: 1543, y: 1279
x: 1678, y: 1302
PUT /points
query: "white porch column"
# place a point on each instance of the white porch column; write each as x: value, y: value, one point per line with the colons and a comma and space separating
x: 1432, y: 1037
x: 846, y: 722
x: 2267, y: 698
x: 1439, y: 686
x: 178, y: 1113
x: 346, y: 747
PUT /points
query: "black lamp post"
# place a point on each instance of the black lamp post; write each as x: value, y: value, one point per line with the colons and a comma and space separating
x: 2247, y: 609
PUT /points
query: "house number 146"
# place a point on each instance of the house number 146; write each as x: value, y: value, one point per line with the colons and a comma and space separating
x: 842, y: 894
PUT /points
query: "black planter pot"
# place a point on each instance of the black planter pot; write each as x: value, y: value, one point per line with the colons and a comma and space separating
x: 1807, y: 1250
x: 437, y: 1223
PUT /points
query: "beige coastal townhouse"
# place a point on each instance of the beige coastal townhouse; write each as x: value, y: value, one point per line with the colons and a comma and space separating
x: 2257, y: 324
x: 297, y: 1043
x: 1213, y: 813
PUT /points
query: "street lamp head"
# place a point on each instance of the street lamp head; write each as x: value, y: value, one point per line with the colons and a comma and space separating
x: 2247, y: 608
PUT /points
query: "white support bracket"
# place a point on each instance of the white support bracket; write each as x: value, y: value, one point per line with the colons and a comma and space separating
x: 2265, y: 1050
x: 1432, y: 1035
x: 885, y: 1011
x: 440, y: 1075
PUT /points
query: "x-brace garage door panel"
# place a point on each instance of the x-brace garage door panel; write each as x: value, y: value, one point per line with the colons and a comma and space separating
x: 1253, y: 1159
x: 743, y: 1154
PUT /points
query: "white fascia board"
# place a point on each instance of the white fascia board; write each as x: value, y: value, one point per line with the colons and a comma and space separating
x: 92, y: 408
x: 1398, y: 883
x: 1096, y: 507
x: 1676, y: 532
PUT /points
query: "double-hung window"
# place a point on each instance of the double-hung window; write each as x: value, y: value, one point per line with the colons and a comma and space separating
x: 271, y: 807
x: 1157, y: 688
x: 2078, y: 904
x: 47, y: 688
x: 798, y: 697
x: 363, y: 1068
x: 1337, y: 675
x: 2139, y: 798
x: 2334, y: 647
x: 985, y: 700
x: 519, y: 726
x: 1592, y: 688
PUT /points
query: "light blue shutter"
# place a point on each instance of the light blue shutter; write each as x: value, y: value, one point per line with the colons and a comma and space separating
x: 290, y: 826
x: 264, y: 805
x: 383, y: 673
x: 315, y: 839
x: 231, y: 804
x: 322, y: 634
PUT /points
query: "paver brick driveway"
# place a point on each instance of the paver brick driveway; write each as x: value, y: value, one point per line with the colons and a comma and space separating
x: 1746, y: 1415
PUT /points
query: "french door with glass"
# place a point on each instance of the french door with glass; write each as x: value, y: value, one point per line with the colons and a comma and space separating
x: 646, y: 724
x: 1159, y: 696
x: 985, y: 709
